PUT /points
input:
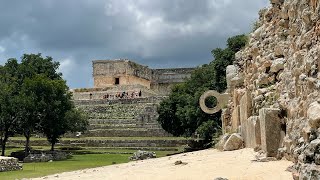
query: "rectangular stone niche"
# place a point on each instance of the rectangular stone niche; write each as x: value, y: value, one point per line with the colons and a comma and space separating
x: 270, y: 130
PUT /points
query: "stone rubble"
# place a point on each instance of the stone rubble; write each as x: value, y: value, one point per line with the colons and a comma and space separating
x: 38, y: 156
x: 9, y: 164
x: 142, y: 155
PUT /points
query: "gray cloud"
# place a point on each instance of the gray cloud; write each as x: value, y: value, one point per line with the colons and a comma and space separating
x: 158, y: 33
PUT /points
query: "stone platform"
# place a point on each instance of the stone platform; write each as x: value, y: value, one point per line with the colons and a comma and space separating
x: 120, y: 123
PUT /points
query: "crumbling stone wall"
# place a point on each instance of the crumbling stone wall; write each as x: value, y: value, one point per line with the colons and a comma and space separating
x: 164, y: 79
x: 275, y: 85
x: 9, y: 164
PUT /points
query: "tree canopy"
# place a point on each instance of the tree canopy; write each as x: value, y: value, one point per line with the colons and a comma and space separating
x: 34, y: 98
x: 180, y: 113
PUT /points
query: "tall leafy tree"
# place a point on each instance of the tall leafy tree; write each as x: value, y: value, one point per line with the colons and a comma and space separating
x: 56, y: 106
x: 35, y: 99
x: 9, y: 90
x: 53, y: 112
x: 180, y: 113
x: 31, y: 106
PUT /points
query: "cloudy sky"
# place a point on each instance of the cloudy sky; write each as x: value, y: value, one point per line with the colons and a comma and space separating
x: 156, y: 33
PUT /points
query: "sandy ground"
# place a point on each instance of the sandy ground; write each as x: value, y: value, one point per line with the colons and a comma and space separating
x: 201, y: 165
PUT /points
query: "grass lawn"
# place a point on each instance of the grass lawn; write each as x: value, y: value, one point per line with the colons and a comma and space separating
x: 78, y: 161
x: 109, y: 138
x: 75, y: 163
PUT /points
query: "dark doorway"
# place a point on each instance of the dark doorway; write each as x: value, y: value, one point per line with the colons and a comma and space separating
x: 117, y: 81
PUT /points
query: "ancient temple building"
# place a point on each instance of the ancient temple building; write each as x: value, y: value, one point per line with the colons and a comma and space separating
x: 122, y: 72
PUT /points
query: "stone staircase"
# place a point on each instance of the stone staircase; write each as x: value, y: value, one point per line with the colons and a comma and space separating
x: 122, y: 118
x: 132, y: 119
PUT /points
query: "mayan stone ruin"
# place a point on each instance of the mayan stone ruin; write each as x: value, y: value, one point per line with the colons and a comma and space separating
x: 123, y: 103
x: 113, y: 73
x: 274, y: 86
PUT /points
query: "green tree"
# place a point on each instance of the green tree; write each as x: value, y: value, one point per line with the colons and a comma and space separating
x: 180, y: 113
x: 8, y: 101
x: 35, y: 99
x: 56, y: 102
x: 31, y: 106
x: 77, y: 120
x: 57, y: 113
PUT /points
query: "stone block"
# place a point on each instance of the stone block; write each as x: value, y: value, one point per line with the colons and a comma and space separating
x: 225, y: 118
x: 253, y: 130
x: 235, y: 119
x: 222, y: 141
x: 314, y: 115
x: 231, y: 72
x: 234, y: 142
x: 245, y: 113
x: 237, y: 94
x: 270, y: 130
x: 234, y: 78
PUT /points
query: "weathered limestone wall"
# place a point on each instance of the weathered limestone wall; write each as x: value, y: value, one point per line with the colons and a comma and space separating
x: 173, y: 75
x: 105, y: 81
x: 132, y: 80
x: 164, y: 79
x: 275, y: 85
x: 128, y: 72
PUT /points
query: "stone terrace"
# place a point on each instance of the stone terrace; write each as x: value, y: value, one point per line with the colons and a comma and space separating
x: 132, y: 119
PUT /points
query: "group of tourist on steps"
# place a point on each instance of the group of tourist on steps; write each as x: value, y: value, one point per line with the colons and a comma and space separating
x: 119, y: 95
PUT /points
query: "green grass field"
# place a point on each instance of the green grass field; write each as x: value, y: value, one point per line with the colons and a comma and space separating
x: 108, y: 138
x: 81, y: 159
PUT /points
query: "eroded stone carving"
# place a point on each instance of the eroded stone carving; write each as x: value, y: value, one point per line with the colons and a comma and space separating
x: 222, y: 101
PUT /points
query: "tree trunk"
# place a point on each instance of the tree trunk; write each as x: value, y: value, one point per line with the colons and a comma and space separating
x: 52, y: 146
x: 27, y: 147
x: 3, y: 144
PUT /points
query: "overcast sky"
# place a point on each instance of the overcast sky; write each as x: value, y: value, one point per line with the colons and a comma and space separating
x: 156, y: 33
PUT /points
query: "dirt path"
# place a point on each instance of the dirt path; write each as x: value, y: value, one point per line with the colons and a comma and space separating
x: 201, y: 165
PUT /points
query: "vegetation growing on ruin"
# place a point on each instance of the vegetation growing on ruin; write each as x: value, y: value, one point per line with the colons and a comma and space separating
x: 180, y: 113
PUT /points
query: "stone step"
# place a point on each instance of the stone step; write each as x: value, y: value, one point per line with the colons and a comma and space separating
x: 118, y: 101
x: 116, y: 108
x: 143, y: 132
x: 111, y: 126
x: 138, y: 148
x: 124, y: 126
x: 112, y: 121
x: 106, y: 143
x: 110, y: 116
